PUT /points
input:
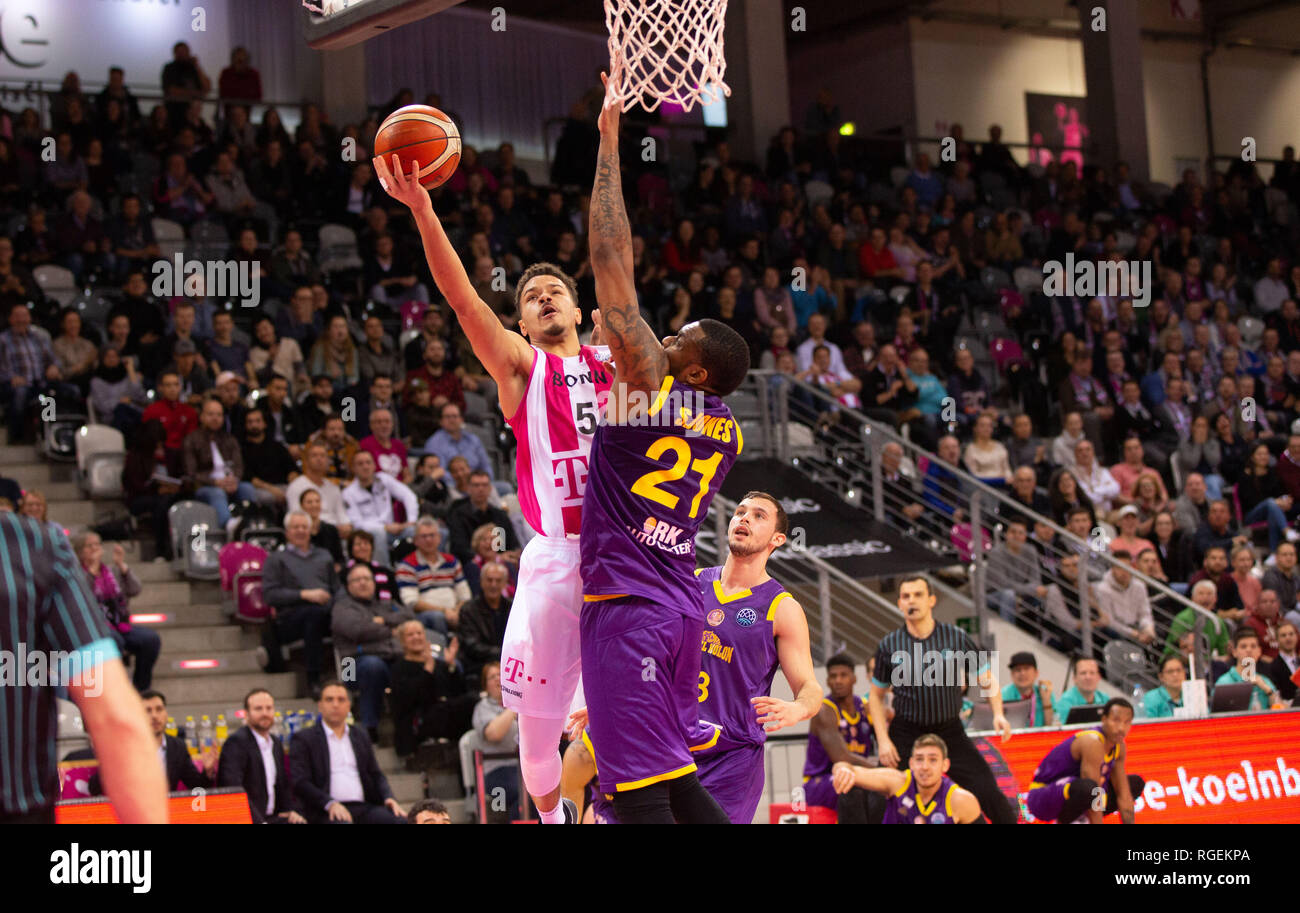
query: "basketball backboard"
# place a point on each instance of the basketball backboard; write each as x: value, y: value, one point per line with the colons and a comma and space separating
x: 349, y: 22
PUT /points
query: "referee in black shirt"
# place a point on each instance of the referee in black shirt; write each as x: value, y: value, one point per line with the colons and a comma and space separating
x: 923, y: 705
x: 52, y: 632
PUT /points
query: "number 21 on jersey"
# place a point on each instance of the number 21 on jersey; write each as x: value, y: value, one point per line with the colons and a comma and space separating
x: 650, y: 485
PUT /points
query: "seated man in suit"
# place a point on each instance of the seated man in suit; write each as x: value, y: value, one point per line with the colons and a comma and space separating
x: 182, y: 772
x: 254, y: 761
x: 335, y: 775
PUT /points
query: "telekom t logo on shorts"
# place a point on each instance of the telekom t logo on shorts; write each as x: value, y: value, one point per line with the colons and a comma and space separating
x: 513, y: 668
x: 570, y: 474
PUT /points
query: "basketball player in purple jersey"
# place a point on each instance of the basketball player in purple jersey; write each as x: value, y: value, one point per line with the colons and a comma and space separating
x: 1085, y: 773
x: 753, y: 626
x: 549, y: 387
x: 839, y: 733
x: 922, y: 794
x: 660, y: 453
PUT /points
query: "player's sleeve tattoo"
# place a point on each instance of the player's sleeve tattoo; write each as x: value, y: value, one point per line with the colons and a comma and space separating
x: 637, y: 351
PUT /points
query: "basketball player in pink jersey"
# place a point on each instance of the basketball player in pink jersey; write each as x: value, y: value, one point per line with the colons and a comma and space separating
x: 552, y: 391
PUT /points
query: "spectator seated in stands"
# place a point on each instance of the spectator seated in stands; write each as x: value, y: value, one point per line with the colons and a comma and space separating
x: 283, y: 423
x: 315, y: 462
x: 323, y: 533
x: 1122, y: 599
x: 1283, y: 669
x: 1084, y: 692
x: 214, y: 465
x: 389, y: 451
x: 389, y: 278
x: 361, y: 548
x: 485, y: 544
x: 432, y: 485
x: 1025, y: 685
x: 335, y: 355
x: 1013, y: 573
x: 444, y: 386
x: 299, y: 583
x: 430, y: 582
x: 178, y: 419
x: 340, y: 448
x: 117, y: 392
x: 1094, y: 479
x: 253, y: 760
x: 114, y: 587
x: 1192, y: 507
x: 452, y: 440
x: 1217, y: 532
x: 1062, y: 453
x: 1218, y: 633
x: 1263, y: 618
x: 1283, y: 578
x: 498, y: 727
x: 841, y: 387
x: 986, y: 458
x: 1263, y: 498
x: 1163, y: 701
x: 146, y: 484
x: 421, y: 419
x: 430, y: 694
x: 267, y: 463
x: 182, y: 771
x: 335, y: 775
x: 363, y: 628
x: 28, y: 371
x: 1127, y: 519
x: 1246, y: 652
x: 483, y: 620
x: 371, y: 500
x: 469, y: 513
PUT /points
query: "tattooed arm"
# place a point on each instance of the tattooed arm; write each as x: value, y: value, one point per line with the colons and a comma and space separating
x: 639, y: 357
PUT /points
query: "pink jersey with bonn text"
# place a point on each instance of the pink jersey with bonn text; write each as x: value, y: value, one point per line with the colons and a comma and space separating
x: 553, y: 427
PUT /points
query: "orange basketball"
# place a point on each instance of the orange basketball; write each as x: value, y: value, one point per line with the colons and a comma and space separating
x: 420, y: 135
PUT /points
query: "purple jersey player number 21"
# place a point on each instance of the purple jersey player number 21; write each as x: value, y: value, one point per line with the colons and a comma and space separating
x: 649, y: 486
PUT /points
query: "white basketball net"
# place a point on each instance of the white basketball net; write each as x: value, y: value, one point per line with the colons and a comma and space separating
x: 665, y: 50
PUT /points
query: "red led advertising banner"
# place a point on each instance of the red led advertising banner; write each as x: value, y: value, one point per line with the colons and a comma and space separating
x: 1224, y: 770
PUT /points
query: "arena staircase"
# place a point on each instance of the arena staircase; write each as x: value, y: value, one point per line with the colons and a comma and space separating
x: 208, y: 663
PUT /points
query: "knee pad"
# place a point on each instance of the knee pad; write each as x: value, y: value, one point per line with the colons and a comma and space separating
x: 539, y: 753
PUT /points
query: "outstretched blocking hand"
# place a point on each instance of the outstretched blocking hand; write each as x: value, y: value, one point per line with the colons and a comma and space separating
x: 607, y: 122
x: 402, y: 187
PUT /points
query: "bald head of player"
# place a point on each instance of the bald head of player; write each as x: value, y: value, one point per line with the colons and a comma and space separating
x: 547, y: 300
x: 708, y: 355
x: 916, y: 599
x: 759, y: 525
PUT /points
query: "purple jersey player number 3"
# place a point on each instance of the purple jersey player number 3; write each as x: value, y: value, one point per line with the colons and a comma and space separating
x: 649, y: 487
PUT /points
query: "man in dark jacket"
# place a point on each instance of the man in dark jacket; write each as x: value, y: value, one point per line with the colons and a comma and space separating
x: 213, y: 463
x: 181, y: 770
x: 335, y: 775
x: 483, y: 620
x: 430, y: 696
x: 363, y: 632
x: 468, y: 514
x: 253, y: 760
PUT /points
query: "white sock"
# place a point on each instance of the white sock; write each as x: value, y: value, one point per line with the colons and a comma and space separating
x: 555, y: 815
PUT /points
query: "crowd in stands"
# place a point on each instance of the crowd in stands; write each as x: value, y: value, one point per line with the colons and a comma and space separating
x: 349, y: 407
